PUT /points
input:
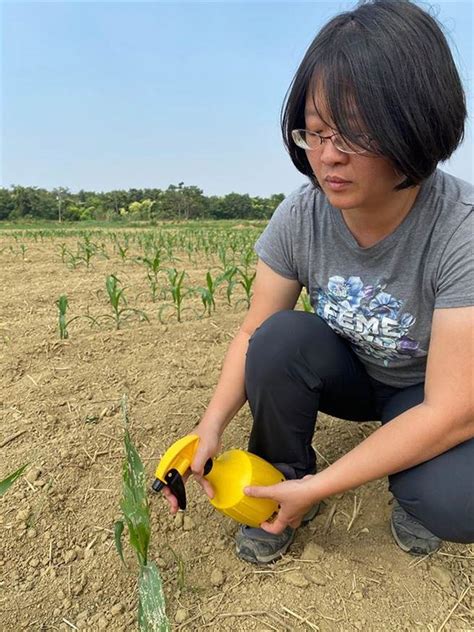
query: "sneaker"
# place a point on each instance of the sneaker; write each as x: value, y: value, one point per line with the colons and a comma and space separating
x: 410, y: 535
x: 257, y: 546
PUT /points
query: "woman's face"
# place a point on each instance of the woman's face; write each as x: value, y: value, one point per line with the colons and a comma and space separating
x: 370, y: 178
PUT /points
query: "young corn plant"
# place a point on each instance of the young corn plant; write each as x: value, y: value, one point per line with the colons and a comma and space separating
x: 207, y: 294
x: 177, y: 294
x: 118, y: 302
x: 62, y: 304
x: 228, y: 277
x: 246, y: 281
x: 153, y: 265
x: 306, y: 301
x: 7, y: 482
x: 136, y: 515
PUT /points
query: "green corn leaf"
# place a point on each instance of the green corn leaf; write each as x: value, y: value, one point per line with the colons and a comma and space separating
x: 118, y: 530
x: 134, y: 501
x: 151, y: 605
x: 8, y: 482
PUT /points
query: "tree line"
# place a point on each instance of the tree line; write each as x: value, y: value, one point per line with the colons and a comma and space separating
x: 177, y: 202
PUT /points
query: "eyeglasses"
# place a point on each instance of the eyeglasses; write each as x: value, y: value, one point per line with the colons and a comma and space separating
x: 313, y: 140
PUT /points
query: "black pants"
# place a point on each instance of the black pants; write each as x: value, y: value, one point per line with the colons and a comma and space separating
x: 296, y: 366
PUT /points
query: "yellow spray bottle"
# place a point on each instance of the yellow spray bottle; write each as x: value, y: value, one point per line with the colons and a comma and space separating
x: 228, y: 474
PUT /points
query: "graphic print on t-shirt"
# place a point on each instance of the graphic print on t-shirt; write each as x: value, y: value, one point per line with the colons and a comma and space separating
x: 370, y: 318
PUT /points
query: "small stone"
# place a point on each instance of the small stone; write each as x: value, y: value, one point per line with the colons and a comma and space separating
x: 188, y: 523
x: 358, y: 596
x: 117, y: 609
x: 312, y: 551
x: 442, y: 576
x: 179, y: 520
x: 295, y: 578
x: 56, y: 612
x: 181, y: 615
x: 102, y: 623
x: 315, y: 577
x: 40, y: 482
x: 34, y: 562
x: 31, y: 533
x: 23, y: 515
x: 70, y: 556
x: 77, y: 589
x: 220, y: 543
x: 33, y: 474
x: 217, y: 577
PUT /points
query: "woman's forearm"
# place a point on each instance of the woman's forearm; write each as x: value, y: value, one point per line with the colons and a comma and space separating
x: 229, y: 395
x: 415, y: 436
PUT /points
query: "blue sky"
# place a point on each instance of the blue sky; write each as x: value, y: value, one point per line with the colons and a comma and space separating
x: 114, y: 95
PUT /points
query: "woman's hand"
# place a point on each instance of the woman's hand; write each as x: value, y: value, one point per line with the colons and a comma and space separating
x: 295, y: 498
x: 209, y: 445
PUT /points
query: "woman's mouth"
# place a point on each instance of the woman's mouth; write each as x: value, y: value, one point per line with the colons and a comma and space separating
x: 337, y: 184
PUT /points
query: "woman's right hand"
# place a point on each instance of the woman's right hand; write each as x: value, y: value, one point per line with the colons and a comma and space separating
x: 209, y: 445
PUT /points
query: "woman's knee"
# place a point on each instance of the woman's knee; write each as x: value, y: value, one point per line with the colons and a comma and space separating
x: 442, y: 499
x: 277, y: 343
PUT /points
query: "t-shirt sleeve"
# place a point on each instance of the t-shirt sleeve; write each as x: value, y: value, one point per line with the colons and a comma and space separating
x: 275, y: 244
x: 455, y: 279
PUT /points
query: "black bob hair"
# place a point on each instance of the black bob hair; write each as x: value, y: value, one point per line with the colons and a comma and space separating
x: 388, y: 63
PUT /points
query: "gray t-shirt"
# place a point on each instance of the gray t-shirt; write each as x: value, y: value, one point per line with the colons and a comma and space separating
x: 381, y: 299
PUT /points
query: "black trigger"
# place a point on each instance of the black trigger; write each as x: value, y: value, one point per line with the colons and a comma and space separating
x: 174, y: 481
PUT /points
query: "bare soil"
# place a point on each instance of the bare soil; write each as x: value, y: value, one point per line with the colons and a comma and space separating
x: 59, y: 406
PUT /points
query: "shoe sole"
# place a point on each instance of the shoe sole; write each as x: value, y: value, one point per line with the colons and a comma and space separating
x: 267, y: 559
x: 407, y: 549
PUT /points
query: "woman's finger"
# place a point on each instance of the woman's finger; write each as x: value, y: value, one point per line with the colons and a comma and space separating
x: 261, y: 491
x: 206, y: 485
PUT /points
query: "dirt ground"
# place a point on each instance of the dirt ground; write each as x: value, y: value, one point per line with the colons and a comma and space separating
x: 59, y: 406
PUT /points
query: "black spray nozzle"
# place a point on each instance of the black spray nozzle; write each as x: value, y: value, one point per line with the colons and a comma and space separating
x: 157, y: 485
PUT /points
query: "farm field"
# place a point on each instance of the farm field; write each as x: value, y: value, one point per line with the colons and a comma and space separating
x: 60, y: 412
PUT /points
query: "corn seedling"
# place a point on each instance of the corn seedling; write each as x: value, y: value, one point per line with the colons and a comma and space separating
x: 63, y: 250
x: 207, y: 294
x: 246, y: 281
x: 122, y: 250
x: 247, y: 258
x: 136, y: 515
x: 153, y: 265
x: 306, y: 302
x: 177, y: 294
x: 118, y: 302
x: 87, y: 250
x: 228, y: 277
x: 62, y: 304
x: 9, y: 480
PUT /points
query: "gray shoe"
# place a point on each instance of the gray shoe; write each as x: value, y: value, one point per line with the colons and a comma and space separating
x: 257, y: 546
x: 410, y: 535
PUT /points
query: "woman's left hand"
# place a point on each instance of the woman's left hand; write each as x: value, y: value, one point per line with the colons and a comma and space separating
x: 294, y: 497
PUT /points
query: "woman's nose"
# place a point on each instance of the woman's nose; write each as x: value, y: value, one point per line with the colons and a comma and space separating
x: 331, y: 155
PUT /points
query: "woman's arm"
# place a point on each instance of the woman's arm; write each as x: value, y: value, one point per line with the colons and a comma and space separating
x: 443, y: 420
x: 272, y: 293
